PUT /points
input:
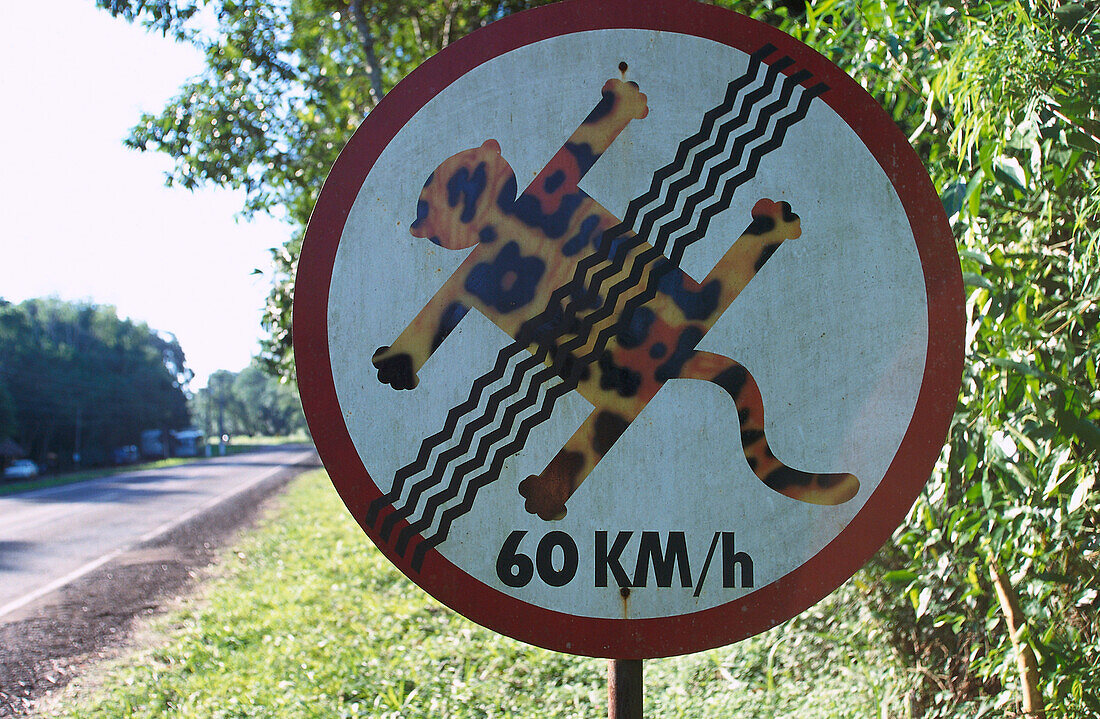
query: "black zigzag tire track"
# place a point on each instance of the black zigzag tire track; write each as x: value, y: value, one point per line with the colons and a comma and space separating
x: 649, y: 292
x: 529, y: 331
x: 687, y: 145
x: 490, y: 474
x: 570, y: 380
x: 716, y: 173
x: 604, y: 336
x: 646, y: 259
x: 635, y: 207
x: 653, y: 254
x: 714, y: 149
x: 782, y: 125
x: 431, y: 443
x: 544, y: 325
x: 471, y: 429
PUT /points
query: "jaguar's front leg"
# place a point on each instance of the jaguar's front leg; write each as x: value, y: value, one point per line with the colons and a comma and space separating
x: 399, y: 363
x: 550, y: 200
x: 620, y: 103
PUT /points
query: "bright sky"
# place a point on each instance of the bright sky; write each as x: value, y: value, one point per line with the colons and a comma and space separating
x: 86, y: 219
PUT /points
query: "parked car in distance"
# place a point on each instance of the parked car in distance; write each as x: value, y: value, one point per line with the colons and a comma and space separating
x: 125, y: 455
x: 21, y: 469
x: 187, y: 442
x: 152, y: 444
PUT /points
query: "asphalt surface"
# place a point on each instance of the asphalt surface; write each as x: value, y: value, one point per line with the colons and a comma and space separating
x: 79, y: 562
x: 50, y: 535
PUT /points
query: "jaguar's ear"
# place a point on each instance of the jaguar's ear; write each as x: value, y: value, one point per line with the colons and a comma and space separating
x: 491, y: 144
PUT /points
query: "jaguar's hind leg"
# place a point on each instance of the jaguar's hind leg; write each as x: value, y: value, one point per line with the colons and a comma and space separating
x: 546, y: 493
x: 815, y: 488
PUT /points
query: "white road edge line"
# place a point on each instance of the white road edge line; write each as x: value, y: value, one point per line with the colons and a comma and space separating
x: 148, y: 536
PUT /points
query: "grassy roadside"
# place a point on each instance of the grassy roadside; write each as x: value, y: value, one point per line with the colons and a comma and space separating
x: 239, y: 445
x: 243, y: 441
x: 307, y: 619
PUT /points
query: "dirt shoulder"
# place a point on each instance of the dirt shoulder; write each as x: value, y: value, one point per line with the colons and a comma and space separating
x: 44, y: 645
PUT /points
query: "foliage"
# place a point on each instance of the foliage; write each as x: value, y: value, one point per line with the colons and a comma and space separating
x: 8, y: 424
x: 249, y: 402
x: 285, y: 85
x: 1000, y: 100
x: 310, y: 620
x: 83, y: 380
x: 271, y: 407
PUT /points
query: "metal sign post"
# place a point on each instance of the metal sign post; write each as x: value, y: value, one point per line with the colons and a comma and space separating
x: 628, y: 329
x: 624, y: 689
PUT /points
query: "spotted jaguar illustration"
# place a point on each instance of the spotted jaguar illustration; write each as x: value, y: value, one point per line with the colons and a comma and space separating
x: 619, y: 343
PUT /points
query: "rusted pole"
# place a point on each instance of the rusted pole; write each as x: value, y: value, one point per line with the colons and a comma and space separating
x: 624, y: 689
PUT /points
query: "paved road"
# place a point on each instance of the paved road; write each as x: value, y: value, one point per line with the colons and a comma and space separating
x: 49, y: 537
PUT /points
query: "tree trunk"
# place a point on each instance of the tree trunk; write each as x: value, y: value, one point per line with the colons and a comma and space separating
x: 1026, y: 663
x: 366, y: 36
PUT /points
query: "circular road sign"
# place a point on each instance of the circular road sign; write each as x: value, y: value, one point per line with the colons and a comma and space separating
x: 628, y: 329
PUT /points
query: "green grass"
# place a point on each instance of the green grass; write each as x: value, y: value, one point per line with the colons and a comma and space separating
x: 239, y: 440
x: 306, y: 619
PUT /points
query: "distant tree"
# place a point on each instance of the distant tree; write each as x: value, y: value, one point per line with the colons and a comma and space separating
x: 249, y: 402
x: 270, y: 407
x: 84, y: 381
x: 198, y: 406
x: 224, y: 413
x: 8, y: 425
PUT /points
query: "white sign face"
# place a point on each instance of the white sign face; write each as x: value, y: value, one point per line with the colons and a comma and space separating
x: 652, y: 323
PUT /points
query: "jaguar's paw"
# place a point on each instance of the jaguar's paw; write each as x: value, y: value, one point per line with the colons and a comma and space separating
x: 544, y: 498
x: 394, y: 368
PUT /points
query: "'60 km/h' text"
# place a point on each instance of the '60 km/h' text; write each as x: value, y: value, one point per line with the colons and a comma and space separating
x: 627, y: 559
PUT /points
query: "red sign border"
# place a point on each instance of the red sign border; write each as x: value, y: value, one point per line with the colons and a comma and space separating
x: 767, y: 606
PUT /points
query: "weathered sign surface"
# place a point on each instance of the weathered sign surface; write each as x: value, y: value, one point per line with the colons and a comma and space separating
x: 628, y: 329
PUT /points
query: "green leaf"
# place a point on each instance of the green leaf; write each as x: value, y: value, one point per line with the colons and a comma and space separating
x: 1082, y: 428
x: 923, y: 600
x: 1029, y: 371
x: 1008, y: 171
x: 953, y: 198
x: 970, y: 464
x: 1023, y: 439
x: 981, y: 258
x: 974, y: 493
x: 1070, y: 14
x: 985, y: 159
x: 973, y: 279
x: 1083, y: 141
x: 900, y: 576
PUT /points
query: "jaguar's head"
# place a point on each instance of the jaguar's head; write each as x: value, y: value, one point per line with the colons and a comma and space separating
x: 458, y: 206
